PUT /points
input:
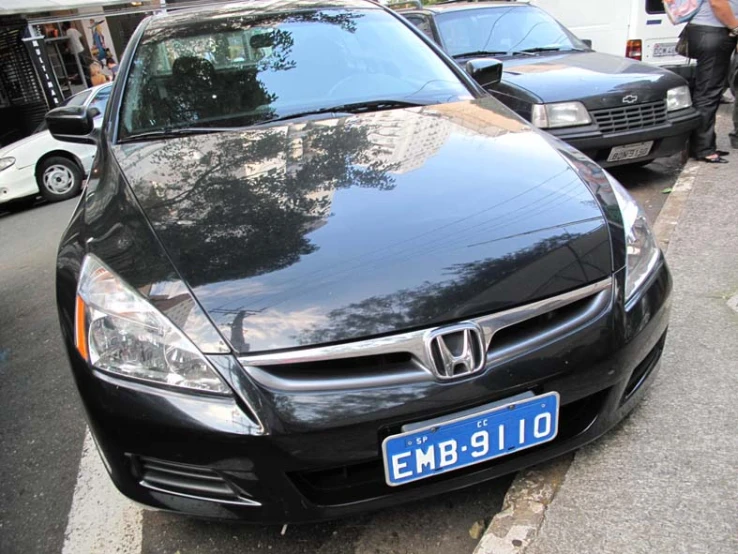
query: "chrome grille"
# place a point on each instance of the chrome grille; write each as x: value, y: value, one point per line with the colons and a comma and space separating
x: 404, y: 358
x: 626, y: 118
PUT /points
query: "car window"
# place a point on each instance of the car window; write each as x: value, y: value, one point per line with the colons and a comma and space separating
x: 100, y: 101
x: 250, y: 69
x: 422, y: 23
x: 655, y: 6
x: 503, y: 29
x: 77, y: 100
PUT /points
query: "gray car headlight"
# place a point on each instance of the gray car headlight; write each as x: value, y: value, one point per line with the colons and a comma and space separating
x: 562, y: 114
x: 678, y: 98
x: 5, y: 163
x: 118, y: 331
x: 642, y: 252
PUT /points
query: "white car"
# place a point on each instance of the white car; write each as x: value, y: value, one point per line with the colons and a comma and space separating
x: 40, y: 164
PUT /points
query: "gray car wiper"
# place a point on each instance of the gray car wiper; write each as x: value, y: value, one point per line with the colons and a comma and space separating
x: 481, y: 53
x: 170, y: 132
x: 540, y: 49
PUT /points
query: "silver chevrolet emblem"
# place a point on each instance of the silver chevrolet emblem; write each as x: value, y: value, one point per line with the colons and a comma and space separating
x: 456, y: 350
x: 630, y: 99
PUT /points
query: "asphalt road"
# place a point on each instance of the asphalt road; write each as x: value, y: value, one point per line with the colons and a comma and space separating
x: 41, y: 419
x: 42, y: 427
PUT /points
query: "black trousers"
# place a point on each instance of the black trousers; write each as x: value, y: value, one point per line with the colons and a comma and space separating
x: 712, y: 47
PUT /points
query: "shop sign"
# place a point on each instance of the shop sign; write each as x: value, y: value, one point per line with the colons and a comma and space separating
x: 42, y: 65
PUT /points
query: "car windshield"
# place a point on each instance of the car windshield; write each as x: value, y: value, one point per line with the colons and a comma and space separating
x: 76, y: 100
x: 510, y: 30
x: 244, y: 70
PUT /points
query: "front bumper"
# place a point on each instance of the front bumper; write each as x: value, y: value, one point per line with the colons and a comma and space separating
x: 669, y: 139
x: 16, y: 184
x: 320, y: 458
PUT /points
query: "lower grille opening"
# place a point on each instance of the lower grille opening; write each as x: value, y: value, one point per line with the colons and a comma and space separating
x: 184, y: 480
x: 365, y: 480
x: 644, y: 369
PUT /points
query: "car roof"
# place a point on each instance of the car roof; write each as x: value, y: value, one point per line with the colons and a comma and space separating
x: 459, y: 6
x: 213, y: 12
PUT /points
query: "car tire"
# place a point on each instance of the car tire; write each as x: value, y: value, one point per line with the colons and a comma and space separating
x: 58, y: 178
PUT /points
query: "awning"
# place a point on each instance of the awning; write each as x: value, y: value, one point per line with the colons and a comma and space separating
x: 9, y: 7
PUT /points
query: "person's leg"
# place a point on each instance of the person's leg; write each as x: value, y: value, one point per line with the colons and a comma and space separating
x: 712, y: 47
x: 734, y: 88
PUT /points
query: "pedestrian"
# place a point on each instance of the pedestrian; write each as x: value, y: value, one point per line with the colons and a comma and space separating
x: 75, y: 39
x: 712, y: 34
x: 96, y: 75
x: 112, y: 67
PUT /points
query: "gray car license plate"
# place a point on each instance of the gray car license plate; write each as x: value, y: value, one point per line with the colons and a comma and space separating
x: 630, y: 151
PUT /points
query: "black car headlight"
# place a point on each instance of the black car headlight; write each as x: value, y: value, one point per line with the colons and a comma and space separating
x: 118, y: 331
x: 642, y: 252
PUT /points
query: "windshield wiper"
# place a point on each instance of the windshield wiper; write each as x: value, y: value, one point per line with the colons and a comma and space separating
x: 354, y: 107
x: 481, y: 53
x: 170, y: 133
x: 540, y: 49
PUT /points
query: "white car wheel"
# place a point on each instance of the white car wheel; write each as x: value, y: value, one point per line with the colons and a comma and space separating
x: 59, y: 178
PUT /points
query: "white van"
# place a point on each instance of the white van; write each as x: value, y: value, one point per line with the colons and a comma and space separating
x: 637, y: 29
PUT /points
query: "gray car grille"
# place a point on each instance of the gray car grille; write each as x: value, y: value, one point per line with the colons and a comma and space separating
x: 626, y: 118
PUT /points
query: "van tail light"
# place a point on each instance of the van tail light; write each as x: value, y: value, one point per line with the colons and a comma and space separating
x: 634, y: 49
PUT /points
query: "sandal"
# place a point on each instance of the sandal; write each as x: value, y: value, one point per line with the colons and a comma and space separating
x: 713, y: 159
x: 722, y: 152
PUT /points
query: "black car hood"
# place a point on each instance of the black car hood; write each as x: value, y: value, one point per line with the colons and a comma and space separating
x: 331, y: 230
x: 589, y: 77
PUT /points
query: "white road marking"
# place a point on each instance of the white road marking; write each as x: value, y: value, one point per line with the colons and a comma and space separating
x: 101, y: 520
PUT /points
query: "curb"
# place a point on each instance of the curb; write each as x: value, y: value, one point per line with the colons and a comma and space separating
x: 514, y: 528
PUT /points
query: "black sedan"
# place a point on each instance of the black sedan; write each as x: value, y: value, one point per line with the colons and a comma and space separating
x: 615, y: 110
x: 318, y: 270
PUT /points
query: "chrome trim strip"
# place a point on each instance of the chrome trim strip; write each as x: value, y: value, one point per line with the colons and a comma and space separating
x: 346, y: 382
x: 498, y: 356
x: 493, y: 323
x: 413, y: 343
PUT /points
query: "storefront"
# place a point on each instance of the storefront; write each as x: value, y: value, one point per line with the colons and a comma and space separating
x: 46, y: 48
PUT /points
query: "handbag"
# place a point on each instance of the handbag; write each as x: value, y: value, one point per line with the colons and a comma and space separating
x: 682, y: 45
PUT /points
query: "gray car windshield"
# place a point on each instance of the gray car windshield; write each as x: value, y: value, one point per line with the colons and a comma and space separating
x: 245, y: 70
x: 503, y: 30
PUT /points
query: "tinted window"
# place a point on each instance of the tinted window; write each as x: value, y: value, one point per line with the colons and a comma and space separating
x: 503, y: 29
x: 249, y: 69
x: 655, y: 6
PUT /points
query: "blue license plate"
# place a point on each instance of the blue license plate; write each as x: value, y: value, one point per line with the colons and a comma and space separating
x: 456, y: 443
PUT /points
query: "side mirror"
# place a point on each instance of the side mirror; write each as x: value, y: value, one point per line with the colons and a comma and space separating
x: 587, y: 42
x: 93, y: 111
x: 72, y: 124
x: 485, y: 71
